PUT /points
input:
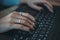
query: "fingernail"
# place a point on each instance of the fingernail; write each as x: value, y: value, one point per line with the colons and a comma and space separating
x: 32, y: 28
x: 33, y: 24
x: 51, y: 11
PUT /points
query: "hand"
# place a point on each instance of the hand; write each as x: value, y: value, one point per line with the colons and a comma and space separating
x: 32, y: 4
x: 17, y: 20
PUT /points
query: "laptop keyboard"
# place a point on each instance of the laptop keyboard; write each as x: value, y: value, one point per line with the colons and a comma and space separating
x: 45, y: 22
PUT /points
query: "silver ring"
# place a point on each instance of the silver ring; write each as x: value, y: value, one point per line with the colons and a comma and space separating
x: 20, y: 13
x: 19, y: 21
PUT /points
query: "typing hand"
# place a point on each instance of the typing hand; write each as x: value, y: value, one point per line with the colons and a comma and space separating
x: 32, y: 4
x: 17, y: 20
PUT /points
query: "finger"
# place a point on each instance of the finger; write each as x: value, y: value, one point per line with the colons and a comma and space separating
x: 28, y: 16
x: 27, y: 24
x: 32, y: 5
x: 24, y: 18
x: 19, y: 14
x: 14, y: 20
x: 27, y: 20
x: 21, y: 27
x: 49, y: 6
x: 21, y: 21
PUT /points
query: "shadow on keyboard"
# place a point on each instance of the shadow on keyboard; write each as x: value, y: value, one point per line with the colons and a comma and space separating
x: 45, y: 25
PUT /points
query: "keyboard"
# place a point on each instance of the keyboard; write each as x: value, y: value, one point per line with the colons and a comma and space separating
x: 44, y: 26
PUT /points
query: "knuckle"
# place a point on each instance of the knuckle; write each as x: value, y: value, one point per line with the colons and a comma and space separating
x: 15, y: 14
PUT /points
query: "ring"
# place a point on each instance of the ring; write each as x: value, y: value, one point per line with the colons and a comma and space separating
x: 19, y: 21
x: 20, y: 13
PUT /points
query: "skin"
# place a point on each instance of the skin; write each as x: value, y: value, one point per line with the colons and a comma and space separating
x: 11, y: 21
